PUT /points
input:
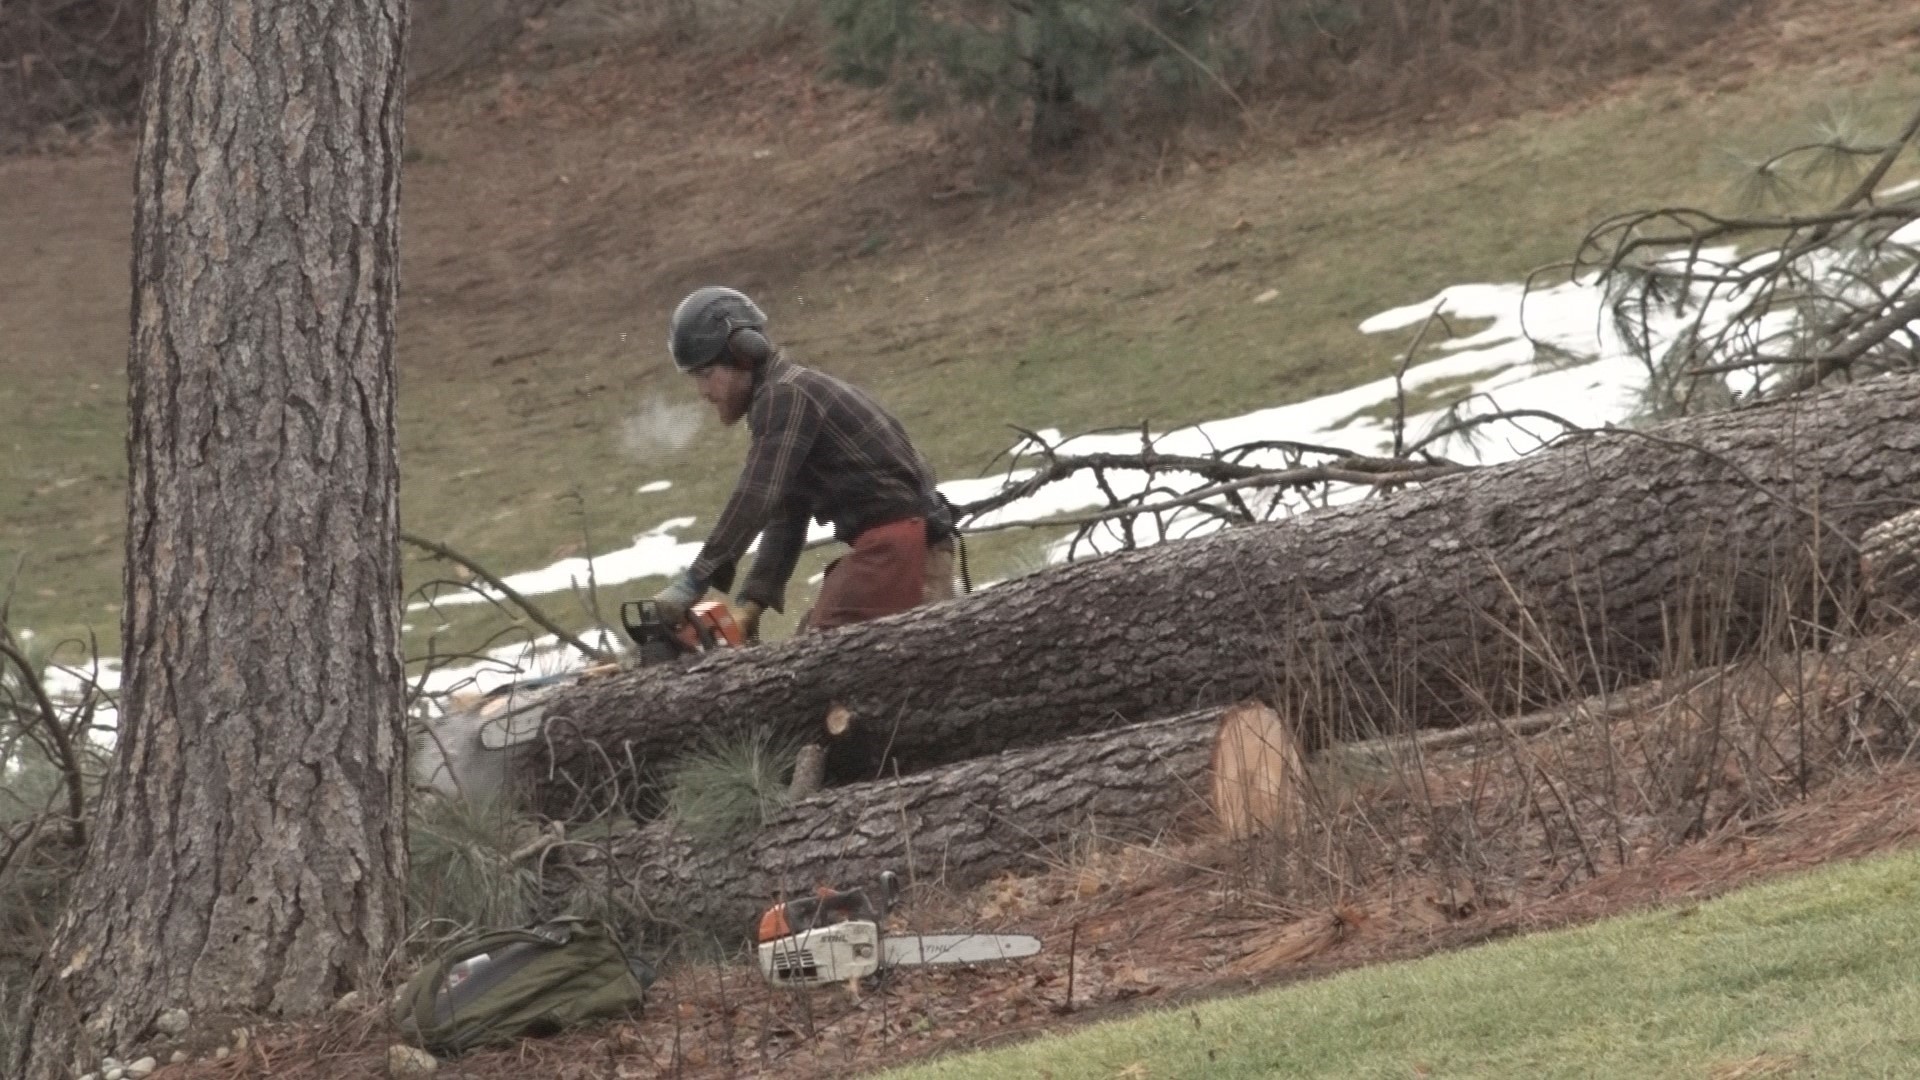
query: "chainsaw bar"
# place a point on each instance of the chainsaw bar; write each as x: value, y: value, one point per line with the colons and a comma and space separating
x: 855, y: 949
x: 927, y: 950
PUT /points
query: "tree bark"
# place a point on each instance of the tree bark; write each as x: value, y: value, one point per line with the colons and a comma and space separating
x: 248, y: 852
x: 1506, y: 588
x: 1890, y: 569
x: 954, y: 827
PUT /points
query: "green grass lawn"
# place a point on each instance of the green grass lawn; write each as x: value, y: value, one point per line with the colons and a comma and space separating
x: 1810, y: 976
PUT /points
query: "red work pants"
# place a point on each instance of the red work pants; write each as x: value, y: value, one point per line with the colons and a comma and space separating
x: 884, y: 574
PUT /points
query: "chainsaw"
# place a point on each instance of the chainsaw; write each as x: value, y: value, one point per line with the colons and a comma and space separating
x: 836, y: 936
x: 708, y: 625
x: 514, y: 714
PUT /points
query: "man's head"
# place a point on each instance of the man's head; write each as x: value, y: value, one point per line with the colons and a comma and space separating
x: 719, y: 337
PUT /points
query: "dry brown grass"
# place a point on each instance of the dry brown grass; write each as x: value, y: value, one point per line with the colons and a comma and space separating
x: 1756, y: 1068
x: 1741, y: 722
x: 1429, y: 46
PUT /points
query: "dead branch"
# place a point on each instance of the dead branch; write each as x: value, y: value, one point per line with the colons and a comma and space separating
x: 1167, y: 501
x: 68, y: 762
x: 1400, y: 376
x: 1316, y: 474
x: 1165, y: 497
x: 1462, y: 425
x: 513, y: 595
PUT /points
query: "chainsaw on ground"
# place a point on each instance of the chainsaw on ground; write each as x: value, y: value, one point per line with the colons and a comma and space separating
x: 708, y: 625
x: 836, y: 936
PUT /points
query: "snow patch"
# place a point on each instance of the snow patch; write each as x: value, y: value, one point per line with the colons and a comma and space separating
x: 1552, y: 349
x: 654, y: 553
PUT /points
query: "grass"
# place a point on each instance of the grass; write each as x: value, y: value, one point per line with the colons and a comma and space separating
x: 1811, y: 976
x: 1100, y: 308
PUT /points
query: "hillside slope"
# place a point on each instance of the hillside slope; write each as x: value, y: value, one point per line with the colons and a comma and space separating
x: 554, y: 214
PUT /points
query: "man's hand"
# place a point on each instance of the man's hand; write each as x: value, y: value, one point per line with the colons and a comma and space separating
x: 679, y: 595
x: 750, y: 620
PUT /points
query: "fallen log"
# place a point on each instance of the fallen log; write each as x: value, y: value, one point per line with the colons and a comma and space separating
x: 1578, y: 567
x: 1890, y: 568
x: 958, y: 825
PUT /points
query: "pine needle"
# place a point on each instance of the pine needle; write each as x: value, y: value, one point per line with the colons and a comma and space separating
x: 732, y: 784
x: 464, y: 875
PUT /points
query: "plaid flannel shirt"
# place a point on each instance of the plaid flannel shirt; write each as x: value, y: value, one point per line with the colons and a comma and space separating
x: 822, y: 450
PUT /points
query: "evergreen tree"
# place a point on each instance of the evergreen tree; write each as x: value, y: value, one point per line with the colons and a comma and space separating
x: 1050, y: 63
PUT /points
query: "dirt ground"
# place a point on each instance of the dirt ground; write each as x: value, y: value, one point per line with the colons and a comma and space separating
x: 1125, y: 929
x: 1713, y: 780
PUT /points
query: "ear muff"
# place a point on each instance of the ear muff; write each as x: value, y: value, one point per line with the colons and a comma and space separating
x: 748, y: 345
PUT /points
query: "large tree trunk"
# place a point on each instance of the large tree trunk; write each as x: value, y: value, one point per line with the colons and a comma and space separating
x: 248, y: 850
x: 955, y: 826
x: 1402, y: 610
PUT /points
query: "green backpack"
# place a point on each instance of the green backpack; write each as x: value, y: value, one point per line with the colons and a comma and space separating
x: 508, y: 984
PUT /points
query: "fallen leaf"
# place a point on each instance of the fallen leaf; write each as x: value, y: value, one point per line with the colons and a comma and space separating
x: 1089, y: 884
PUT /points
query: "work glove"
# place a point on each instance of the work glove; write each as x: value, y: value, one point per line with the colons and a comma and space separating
x: 750, y: 619
x: 678, y: 597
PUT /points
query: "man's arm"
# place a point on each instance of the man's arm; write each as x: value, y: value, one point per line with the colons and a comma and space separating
x: 779, y: 552
x: 785, y: 424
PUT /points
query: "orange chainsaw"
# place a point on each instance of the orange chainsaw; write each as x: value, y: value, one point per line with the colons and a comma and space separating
x: 837, y: 936
x: 709, y: 625
x: 513, y: 714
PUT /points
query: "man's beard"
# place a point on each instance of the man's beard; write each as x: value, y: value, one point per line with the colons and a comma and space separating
x: 732, y: 411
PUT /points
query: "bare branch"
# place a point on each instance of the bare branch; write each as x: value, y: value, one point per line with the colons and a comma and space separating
x: 1400, y: 376
x: 442, y: 551
x: 1317, y: 474
x: 1469, y: 423
x: 50, y: 718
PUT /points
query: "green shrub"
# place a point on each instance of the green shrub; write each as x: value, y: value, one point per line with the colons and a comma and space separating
x: 1052, y: 62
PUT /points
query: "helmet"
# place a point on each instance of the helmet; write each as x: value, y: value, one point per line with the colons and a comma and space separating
x: 712, y: 321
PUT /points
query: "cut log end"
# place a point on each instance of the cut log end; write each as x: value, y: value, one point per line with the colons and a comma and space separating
x: 1257, y: 773
x: 852, y: 752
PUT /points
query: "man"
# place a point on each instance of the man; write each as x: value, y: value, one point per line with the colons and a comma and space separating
x: 822, y: 450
